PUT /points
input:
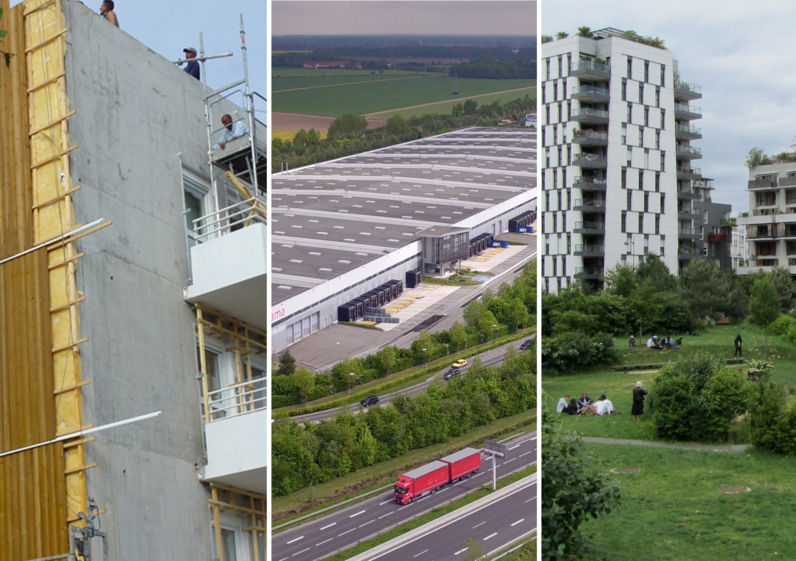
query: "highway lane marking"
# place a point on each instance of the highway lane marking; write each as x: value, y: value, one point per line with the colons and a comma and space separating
x: 517, y: 522
x: 481, y: 524
x: 532, y: 498
x: 344, y: 533
x: 460, y: 551
x: 517, y: 446
x: 295, y: 540
x: 490, y: 536
x: 323, y: 542
x: 357, y: 514
x: 389, y: 513
x: 368, y: 522
x: 421, y: 553
x: 302, y: 551
x: 405, y: 506
x: 385, y: 502
x: 478, y: 475
x: 507, y: 461
x: 329, y: 526
x: 526, y: 453
x: 284, y: 559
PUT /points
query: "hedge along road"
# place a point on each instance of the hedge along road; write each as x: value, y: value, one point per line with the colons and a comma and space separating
x: 492, y: 357
x: 345, y: 528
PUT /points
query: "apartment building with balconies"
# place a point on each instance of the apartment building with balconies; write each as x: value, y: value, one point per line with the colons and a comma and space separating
x: 771, y: 221
x: 618, y: 175
x: 146, y: 325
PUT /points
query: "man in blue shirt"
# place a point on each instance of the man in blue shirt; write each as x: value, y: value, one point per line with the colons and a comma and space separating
x: 192, y: 67
x: 233, y: 132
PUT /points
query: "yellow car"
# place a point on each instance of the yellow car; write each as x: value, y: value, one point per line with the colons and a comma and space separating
x: 460, y: 363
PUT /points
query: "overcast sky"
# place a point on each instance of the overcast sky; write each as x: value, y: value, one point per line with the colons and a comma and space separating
x: 455, y: 17
x: 740, y: 52
x: 168, y: 27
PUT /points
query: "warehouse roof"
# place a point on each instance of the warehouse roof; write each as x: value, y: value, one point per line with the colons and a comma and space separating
x: 332, y: 217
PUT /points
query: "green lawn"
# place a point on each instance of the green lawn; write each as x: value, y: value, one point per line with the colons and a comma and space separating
x: 288, y: 78
x: 618, y: 386
x: 673, y: 508
x: 372, y: 95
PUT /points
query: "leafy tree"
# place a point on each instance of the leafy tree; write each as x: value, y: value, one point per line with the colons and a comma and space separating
x: 546, y: 38
x: 756, y: 157
x: 458, y: 335
x: 397, y: 125
x: 645, y: 306
x: 782, y: 280
x: 470, y: 107
x: 387, y: 358
x: 562, y: 35
x: 621, y: 280
x: 654, y: 272
x: 706, y: 288
x: 341, y: 373
x: 474, y: 550
x: 572, y: 492
x: 287, y: 364
x: 348, y: 126
x: 585, y: 32
x: 305, y: 384
x: 764, y: 306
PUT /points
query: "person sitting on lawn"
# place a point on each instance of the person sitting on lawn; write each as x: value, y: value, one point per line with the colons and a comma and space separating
x: 678, y: 343
x: 584, y: 401
x: 562, y: 404
x: 600, y: 408
x: 631, y: 342
x: 572, y: 408
x: 751, y: 377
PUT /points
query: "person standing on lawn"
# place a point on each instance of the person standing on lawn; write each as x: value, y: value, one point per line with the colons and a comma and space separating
x: 738, y: 351
x: 638, y: 401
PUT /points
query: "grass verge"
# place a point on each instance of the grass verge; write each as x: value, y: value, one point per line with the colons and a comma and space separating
x: 454, y: 280
x: 429, y: 516
x: 306, y: 500
x: 354, y: 324
x: 397, y: 380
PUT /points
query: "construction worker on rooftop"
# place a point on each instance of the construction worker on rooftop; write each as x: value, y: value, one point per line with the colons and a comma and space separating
x: 106, y: 11
x: 192, y: 67
x: 234, y: 131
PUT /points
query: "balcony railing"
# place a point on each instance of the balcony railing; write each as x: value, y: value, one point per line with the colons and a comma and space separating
x: 595, y: 135
x: 590, y: 226
x: 788, y: 181
x: 585, y: 91
x: 766, y: 211
x: 725, y: 238
x: 597, y: 203
x: 237, y: 399
x: 702, y: 184
x: 587, y: 248
x: 687, y: 231
x: 688, y: 190
x: 692, y: 251
x: 689, y: 151
x: 590, y: 182
x: 588, y: 157
x: 685, y: 129
x: 685, y: 87
x: 689, y: 171
x: 588, y: 271
x: 763, y: 183
x: 589, y: 112
x: 589, y: 67
x: 230, y: 219
x: 683, y: 108
x: 766, y: 262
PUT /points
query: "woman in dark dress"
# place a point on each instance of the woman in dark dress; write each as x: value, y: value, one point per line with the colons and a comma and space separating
x: 738, y: 343
x: 572, y: 408
x: 638, y: 401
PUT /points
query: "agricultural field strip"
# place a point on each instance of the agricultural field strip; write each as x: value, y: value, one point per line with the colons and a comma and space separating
x: 448, y: 101
x: 290, y: 544
x: 347, y: 84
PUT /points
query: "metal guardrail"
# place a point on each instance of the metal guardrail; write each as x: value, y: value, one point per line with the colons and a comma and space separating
x: 688, y: 129
x: 686, y: 87
x: 589, y: 89
x: 597, y: 203
x: 589, y: 65
x: 589, y: 248
x: 589, y: 226
x: 237, y: 399
x: 590, y: 112
x: 230, y: 219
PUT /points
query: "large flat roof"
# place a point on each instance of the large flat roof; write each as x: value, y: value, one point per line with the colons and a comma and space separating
x: 332, y: 217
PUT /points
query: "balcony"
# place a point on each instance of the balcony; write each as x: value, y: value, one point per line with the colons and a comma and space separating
x: 228, y: 262
x: 688, y: 214
x: 703, y: 184
x: 688, y: 152
x: 685, y: 132
x: 590, y: 70
x: 760, y: 264
x: 688, y: 193
x: 788, y: 181
x: 763, y: 183
x: 689, y: 173
x: 686, y: 91
x: 756, y: 233
x: 589, y: 228
x: 588, y: 116
x: 684, y: 252
x: 594, y: 205
x: 719, y: 238
x: 588, y: 272
x: 236, y: 434
x: 590, y: 161
x: 688, y: 112
x: 766, y: 211
x: 589, y: 250
x: 687, y: 233
x: 589, y: 184
x: 590, y: 138
x: 591, y: 94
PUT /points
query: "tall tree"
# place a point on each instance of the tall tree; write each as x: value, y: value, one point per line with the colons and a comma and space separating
x: 706, y: 288
x: 764, y: 306
x: 287, y: 364
x: 585, y: 32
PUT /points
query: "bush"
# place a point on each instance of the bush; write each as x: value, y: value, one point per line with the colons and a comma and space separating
x: 782, y: 325
x: 697, y: 398
x: 563, y: 353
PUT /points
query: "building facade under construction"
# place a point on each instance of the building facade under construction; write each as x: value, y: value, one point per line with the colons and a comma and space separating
x: 132, y: 301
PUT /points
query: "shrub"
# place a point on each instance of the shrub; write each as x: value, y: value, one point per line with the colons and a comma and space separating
x: 782, y: 324
x: 563, y: 353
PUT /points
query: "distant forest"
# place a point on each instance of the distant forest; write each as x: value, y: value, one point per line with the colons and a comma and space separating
x: 321, y: 42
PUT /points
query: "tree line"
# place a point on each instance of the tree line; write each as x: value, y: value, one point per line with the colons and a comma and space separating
x: 363, y: 55
x: 311, y: 454
x: 349, y: 134
x: 494, y: 69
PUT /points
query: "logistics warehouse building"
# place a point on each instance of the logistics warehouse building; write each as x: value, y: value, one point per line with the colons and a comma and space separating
x: 345, y: 228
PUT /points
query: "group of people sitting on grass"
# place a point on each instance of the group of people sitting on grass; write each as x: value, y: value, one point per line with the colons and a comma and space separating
x: 655, y: 343
x: 585, y: 406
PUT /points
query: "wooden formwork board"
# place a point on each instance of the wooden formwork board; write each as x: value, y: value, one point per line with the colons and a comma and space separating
x: 250, y: 506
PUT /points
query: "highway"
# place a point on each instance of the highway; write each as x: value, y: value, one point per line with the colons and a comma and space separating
x: 345, y: 528
x: 493, y: 357
x: 494, y: 525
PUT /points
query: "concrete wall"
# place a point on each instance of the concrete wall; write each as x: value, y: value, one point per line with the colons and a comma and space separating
x: 135, y: 112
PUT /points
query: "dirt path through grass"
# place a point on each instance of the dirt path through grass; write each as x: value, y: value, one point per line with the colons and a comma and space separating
x: 447, y: 101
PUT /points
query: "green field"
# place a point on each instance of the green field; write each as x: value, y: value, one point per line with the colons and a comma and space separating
x: 673, y: 508
x: 379, y: 93
x: 290, y: 78
x: 445, y: 108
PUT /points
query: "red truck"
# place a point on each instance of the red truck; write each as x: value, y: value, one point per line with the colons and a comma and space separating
x: 430, y: 477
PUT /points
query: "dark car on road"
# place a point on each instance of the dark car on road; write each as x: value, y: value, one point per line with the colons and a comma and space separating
x: 368, y: 401
x: 526, y: 344
x: 450, y: 373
